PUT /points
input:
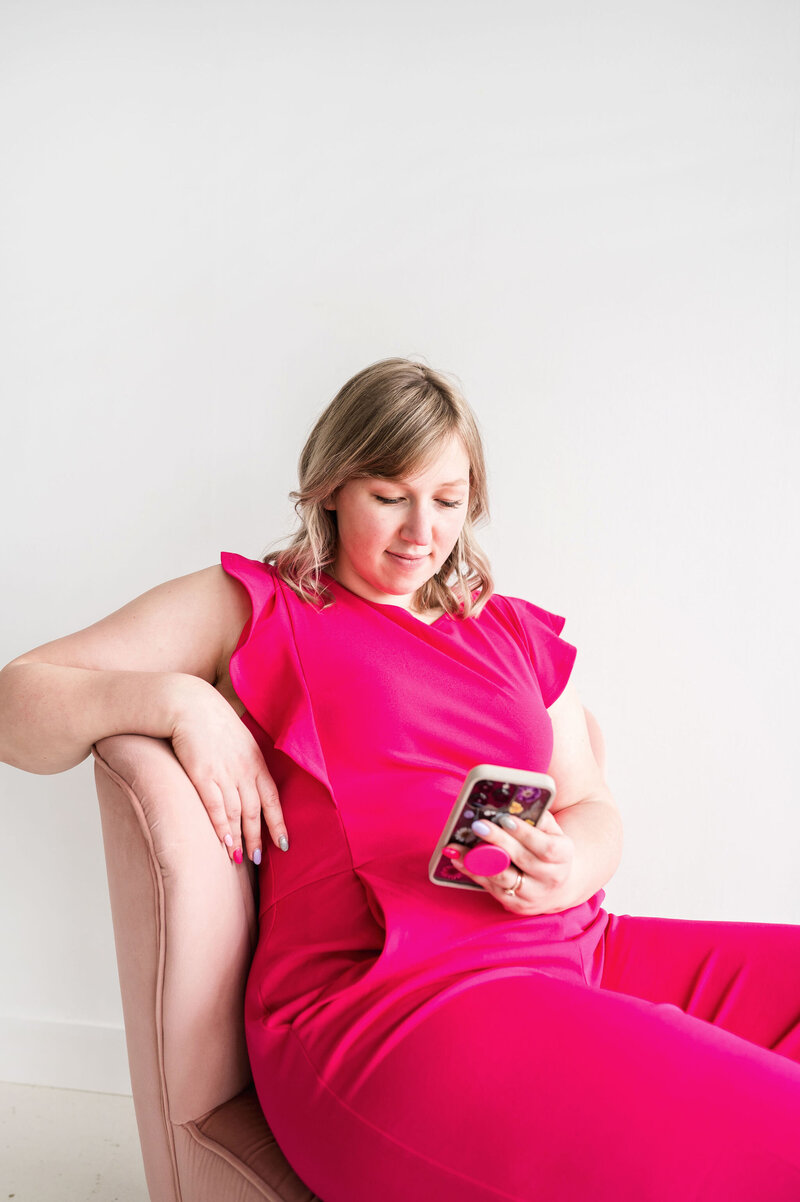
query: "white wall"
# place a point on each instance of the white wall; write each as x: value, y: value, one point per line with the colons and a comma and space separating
x: 215, y: 213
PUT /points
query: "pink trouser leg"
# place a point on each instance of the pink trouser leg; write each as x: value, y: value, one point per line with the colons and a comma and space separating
x: 526, y: 1086
x: 740, y: 976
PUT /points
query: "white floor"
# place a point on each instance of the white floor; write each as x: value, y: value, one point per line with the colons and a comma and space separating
x: 61, y: 1145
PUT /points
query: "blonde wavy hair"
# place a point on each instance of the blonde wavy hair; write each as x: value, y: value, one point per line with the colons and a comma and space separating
x: 389, y: 420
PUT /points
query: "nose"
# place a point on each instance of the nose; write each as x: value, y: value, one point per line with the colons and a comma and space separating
x: 418, y: 527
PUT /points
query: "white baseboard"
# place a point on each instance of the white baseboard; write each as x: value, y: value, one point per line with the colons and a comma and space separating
x: 64, y: 1055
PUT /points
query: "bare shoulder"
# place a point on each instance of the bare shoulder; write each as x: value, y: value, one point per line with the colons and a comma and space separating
x: 189, y: 624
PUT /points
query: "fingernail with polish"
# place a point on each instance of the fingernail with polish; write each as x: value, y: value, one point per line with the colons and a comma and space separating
x: 507, y: 822
x: 228, y: 841
x: 237, y: 855
x: 481, y: 828
x: 450, y: 852
x: 283, y: 843
x: 257, y: 856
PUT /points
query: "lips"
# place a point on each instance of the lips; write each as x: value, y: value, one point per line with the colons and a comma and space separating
x: 407, y: 558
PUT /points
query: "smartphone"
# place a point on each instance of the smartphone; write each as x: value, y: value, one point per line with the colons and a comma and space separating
x: 488, y: 792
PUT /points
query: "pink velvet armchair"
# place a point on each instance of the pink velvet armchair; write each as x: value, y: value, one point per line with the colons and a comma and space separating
x: 185, y: 928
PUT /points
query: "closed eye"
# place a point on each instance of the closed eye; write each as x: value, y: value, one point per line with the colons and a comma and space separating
x: 397, y: 500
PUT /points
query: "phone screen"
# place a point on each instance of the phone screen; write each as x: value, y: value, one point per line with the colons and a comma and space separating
x: 488, y: 799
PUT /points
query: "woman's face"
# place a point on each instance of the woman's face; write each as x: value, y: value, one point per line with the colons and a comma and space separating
x: 393, y: 535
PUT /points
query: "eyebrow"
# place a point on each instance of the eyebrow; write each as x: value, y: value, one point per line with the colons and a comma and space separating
x: 393, y: 480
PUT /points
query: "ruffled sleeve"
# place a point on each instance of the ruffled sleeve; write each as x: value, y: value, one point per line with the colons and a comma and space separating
x: 266, y: 672
x: 552, y: 657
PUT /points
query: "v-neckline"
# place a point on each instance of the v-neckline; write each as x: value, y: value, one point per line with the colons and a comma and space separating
x: 386, y: 604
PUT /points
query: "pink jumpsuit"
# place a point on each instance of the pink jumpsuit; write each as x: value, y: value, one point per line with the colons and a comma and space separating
x: 414, y: 1043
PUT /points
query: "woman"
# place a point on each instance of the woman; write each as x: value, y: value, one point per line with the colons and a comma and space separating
x: 409, y: 1040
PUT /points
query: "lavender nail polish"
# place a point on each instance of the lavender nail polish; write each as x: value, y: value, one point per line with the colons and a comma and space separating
x: 257, y: 856
x: 480, y: 828
x: 228, y: 841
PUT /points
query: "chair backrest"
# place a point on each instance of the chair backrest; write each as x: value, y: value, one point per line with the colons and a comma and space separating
x: 596, y: 739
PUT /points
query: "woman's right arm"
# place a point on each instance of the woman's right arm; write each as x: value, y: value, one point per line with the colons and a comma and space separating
x: 53, y: 713
x: 150, y: 668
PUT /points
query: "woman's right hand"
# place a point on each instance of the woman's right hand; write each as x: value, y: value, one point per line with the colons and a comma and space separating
x: 226, y: 767
x: 150, y: 668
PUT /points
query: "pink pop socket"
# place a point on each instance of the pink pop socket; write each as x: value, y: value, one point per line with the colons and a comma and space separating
x: 486, y: 859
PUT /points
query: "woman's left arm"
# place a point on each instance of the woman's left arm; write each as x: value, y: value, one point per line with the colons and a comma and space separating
x: 584, y: 809
x: 577, y: 846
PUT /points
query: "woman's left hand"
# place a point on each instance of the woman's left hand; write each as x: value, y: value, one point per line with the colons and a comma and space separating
x: 542, y: 854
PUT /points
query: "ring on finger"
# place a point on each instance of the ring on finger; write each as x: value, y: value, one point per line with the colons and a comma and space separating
x: 512, y: 892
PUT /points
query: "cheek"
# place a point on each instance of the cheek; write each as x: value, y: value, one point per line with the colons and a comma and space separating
x: 367, y: 530
x: 455, y: 523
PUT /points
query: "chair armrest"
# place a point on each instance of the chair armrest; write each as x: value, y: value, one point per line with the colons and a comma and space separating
x: 185, y: 929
